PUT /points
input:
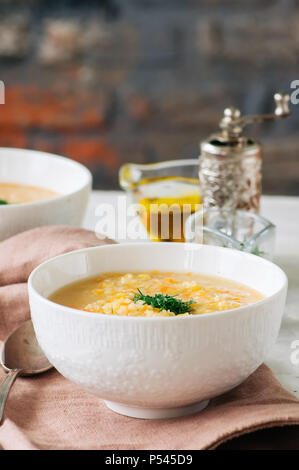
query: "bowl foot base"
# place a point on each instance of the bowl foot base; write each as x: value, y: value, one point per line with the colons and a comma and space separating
x: 156, y: 413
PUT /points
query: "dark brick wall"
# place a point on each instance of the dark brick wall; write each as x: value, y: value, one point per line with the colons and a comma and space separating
x: 106, y: 82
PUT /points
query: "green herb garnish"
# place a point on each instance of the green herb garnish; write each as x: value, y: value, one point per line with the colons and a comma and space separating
x: 256, y: 251
x: 165, y: 302
x: 2, y: 202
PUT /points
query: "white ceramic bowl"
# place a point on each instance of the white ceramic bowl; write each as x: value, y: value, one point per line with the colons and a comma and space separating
x: 157, y: 367
x: 62, y: 175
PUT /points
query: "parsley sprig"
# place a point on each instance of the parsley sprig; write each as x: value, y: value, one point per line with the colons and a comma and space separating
x: 165, y: 302
x: 2, y: 202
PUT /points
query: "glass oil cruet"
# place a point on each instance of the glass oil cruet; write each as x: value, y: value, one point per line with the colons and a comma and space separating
x: 166, y: 193
x: 230, y: 165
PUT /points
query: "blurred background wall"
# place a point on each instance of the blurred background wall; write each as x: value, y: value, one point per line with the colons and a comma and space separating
x: 111, y: 81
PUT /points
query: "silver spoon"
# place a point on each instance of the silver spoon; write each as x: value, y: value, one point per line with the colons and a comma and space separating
x: 21, y: 355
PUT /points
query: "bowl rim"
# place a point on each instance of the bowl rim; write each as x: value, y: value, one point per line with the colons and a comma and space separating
x: 60, y: 198
x: 65, y: 309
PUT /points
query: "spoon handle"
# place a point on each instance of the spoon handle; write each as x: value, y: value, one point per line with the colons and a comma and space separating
x: 5, y: 387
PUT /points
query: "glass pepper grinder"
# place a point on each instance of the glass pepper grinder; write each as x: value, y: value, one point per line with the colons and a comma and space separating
x: 231, y: 163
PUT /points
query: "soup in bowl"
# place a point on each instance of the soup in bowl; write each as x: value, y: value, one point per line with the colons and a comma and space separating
x: 38, y: 188
x: 156, y: 330
x: 155, y: 294
x: 13, y: 193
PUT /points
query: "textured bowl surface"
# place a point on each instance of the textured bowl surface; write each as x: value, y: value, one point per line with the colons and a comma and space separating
x: 66, y: 177
x: 143, y: 365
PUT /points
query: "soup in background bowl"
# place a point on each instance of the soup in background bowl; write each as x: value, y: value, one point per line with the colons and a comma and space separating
x: 157, y: 367
x: 12, y: 193
x: 40, y: 189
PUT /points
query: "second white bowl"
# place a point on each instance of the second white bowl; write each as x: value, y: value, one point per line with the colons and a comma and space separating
x: 71, y: 180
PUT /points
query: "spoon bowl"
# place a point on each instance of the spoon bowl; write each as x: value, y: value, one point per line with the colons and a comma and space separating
x: 20, y: 355
x: 21, y: 351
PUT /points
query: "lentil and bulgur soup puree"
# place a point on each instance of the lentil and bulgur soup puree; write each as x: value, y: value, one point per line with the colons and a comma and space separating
x: 13, y: 193
x: 155, y: 294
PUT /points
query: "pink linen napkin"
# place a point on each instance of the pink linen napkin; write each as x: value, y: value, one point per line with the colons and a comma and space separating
x: 49, y: 412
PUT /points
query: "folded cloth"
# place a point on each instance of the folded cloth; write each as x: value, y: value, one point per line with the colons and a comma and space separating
x: 20, y: 254
x: 49, y: 412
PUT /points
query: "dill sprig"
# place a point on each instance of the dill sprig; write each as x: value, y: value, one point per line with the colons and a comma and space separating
x: 165, y: 302
x: 256, y: 251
